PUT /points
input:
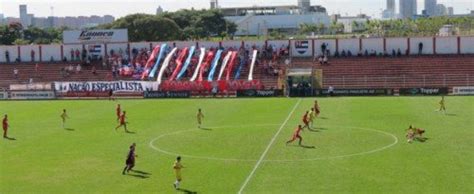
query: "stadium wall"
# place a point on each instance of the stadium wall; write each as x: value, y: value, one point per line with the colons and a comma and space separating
x: 431, y: 45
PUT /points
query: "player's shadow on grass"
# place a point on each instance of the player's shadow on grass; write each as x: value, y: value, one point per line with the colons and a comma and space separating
x: 141, y: 172
x: 451, y: 114
x: 187, y: 191
x: 207, y: 129
x: 130, y: 132
x: 304, y: 146
x: 323, y: 118
x: 422, y: 139
x: 139, y: 176
x: 10, y: 138
x: 69, y: 129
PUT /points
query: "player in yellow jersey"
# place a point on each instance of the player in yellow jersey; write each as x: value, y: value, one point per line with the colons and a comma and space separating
x: 177, y: 169
x: 312, y: 116
x: 441, y: 105
x: 199, y: 117
x: 64, y: 116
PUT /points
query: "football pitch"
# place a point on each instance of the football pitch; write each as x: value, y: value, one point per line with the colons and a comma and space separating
x: 358, y: 146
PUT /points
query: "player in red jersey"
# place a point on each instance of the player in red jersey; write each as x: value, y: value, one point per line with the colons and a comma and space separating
x: 118, y: 110
x: 316, y: 108
x: 306, y: 120
x: 296, y: 135
x: 122, y: 122
x: 5, y: 126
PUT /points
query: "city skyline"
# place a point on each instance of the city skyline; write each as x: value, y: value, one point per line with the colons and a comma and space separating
x: 74, y: 8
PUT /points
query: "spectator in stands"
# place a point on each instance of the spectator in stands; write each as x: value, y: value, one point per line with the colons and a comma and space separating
x: 420, y: 48
x: 331, y: 91
x: 84, y: 54
x: 114, y: 71
x: 394, y: 53
x: 399, y: 52
x: 320, y: 59
x: 349, y: 53
x: 78, y: 68
x: 359, y: 54
x: 323, y: 47
x: 32, y: 53
x: 7, y: 56
x: 343, y: 53
x: 366, y: 53
x: 120, y: 52
x: 30, y: 81
x: 276, y: 72
x: 37, y: 69
x: 214, y: 90
x: 63, y: 72
x: 15, y: 73
x: 78, y: 54
x: 94, y: 71
x: 18, y: 59
x: 325, y: 60
x: 72, y: 54
x: 70, y: 68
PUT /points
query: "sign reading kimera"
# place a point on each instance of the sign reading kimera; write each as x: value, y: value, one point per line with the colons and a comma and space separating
x: 95, y: 36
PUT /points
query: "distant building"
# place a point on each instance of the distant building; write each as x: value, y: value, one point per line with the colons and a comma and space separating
x: 2, y: 19
x: 30, y: 19
x: 351, y: 23
x: 40, y: 22
x: 304, y: 5
x: 450, y: 11
x: 430, y: 7
x: 214, y: 4
x: 159, y: 10
x: 408, y: 8
x: 441, y: 10
x: 390, y: 11
x: 259, y: 20
x: 25, y: 20
x: 447, y: 30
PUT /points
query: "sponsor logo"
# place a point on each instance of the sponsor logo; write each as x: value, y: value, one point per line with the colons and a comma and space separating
x: 355, y: 92
x: 95, y: 35
x: 259, y: 93
x: 131, y: 86
x: 424, y: 91
x: 168, y: 94
x: 32, y: 95
x: 3, y: 95
x: 301, y: 46
x: 463, y: 90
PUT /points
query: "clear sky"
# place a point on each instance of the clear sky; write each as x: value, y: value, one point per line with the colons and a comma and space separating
x: 119, y: 8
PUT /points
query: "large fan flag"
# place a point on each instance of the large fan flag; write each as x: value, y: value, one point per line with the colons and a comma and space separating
x: 198, y: 67
x: 206, y: 63
x: 233, y: 60
x: 179, y: 63
x: 224, y: 64
x: 165, y: 65
x: 151, y: 61
x: 214, y: 63
x: 186, y: 64
x: 252, y: 65
x: 157, y: 64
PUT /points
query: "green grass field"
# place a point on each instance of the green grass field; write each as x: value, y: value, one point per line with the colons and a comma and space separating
x: 360, y: 146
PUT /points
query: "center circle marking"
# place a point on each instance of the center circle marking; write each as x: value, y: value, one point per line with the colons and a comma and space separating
x: 395, y: 141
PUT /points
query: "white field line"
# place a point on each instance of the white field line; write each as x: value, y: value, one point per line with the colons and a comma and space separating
x: 268, y: 148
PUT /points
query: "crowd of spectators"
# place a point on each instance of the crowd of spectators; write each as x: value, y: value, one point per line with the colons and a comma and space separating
x: 267, y: 62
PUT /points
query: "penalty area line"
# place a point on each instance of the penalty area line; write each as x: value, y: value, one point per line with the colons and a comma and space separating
x: 268, y: 148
